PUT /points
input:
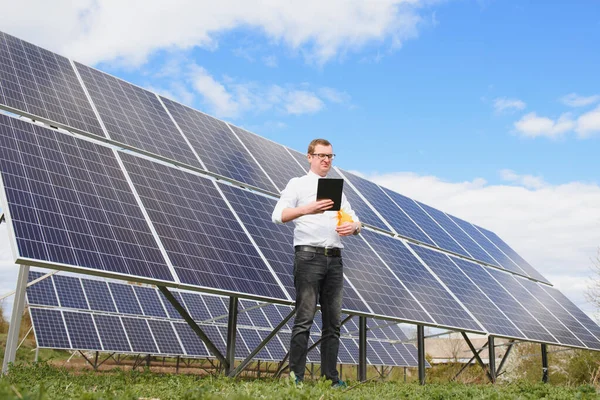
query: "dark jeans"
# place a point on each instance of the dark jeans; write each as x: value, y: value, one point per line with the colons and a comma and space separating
x: 317, y: 279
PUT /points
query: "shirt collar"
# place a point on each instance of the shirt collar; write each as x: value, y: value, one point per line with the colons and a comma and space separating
x: 315, y: 176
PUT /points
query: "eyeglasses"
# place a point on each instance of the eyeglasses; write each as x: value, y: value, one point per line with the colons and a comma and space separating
x: 323, y: 156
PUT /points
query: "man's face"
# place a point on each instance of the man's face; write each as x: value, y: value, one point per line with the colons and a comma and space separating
x: 318, y: 166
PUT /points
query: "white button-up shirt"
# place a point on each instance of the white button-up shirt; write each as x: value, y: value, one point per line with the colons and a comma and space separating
x: 313, y: 229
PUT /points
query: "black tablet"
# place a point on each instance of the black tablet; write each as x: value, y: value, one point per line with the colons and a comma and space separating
x: 331, y: 189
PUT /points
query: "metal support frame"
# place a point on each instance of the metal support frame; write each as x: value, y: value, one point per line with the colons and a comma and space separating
x: 12, y: 339
x: 362, y: 349
x: 262, y: 344
x: 469, y: 362
x: 544, y: 363
x: 231, y: 333
x: 476, y: 354
x: 492, y: 358
x: 421, y: 352
x: 504, y: 358
x: 190, y: 321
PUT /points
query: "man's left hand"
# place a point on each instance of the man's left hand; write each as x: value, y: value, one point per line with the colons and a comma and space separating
x: 346, y: 229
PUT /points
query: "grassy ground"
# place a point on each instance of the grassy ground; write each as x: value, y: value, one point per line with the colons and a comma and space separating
x: 43, y: 381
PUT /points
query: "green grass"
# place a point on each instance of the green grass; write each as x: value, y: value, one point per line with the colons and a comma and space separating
x: 42, y: 381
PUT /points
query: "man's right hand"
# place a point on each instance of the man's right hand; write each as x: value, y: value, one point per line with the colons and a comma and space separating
x: 317, y: 207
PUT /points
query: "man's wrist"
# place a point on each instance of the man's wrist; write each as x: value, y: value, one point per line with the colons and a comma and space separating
x: 357, y: 228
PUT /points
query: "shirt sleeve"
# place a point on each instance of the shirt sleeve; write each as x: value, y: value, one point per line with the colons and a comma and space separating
x: 288, y: 199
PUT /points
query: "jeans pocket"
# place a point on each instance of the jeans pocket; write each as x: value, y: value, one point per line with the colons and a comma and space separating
x: 305, y: 255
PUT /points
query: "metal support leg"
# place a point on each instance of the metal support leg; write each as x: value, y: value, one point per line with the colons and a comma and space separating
x: 12, y: 339
x: 421, y: 352
x: 492, y: 358
x: 544, y: 363
x: 177, y: 365
x: 362, y: 349
x: 476, y: 354
x: 231, y: 333
x: 468, y: 363
x: 508, y: 350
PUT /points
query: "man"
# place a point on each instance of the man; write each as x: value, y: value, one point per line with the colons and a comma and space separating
x: 318, y: 273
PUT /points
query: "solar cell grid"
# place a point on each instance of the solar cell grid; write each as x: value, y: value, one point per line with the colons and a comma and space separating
x: 165, y: 337
x: 36, y: 81
x: 560, y: 313
x: 524, y: 265
x: 257, y: 317
x: 501, y: 259
x: 98, y: 296
x: 397, y: 218
x: 139, y: 335
x: 396, y: 356
x: 426, y: 223
x: 191, y: 342
x: 49, y: 329
x: 41, y: 293
x: 135, y: 116
x: 171, y: 311
x: 112, y: 334
x: 474, y: 299
x: 432, y: 296
x: 273, y: 157
x: 205, y: 243
x: 70, y: 292
x: 149, y: 301
x: 553, y: 325
x: 125, y: 299
x: 394, y: 332
x: 377, y: 285
x: 470, y: 246
x: 573, y: 309
x: 274, y: 346
x: 520, y: 317
x: 82, y: 331
x: 274, y: 240
x: 70, y: 204
x: 252, y: 340
x: 195, y: 306
x: 218, y: 148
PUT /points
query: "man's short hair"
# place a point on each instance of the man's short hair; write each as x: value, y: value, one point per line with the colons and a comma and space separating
x: 315, y: 142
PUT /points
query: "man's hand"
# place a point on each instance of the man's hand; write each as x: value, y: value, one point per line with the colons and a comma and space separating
x: 346, y: 229
x: 317, y: 207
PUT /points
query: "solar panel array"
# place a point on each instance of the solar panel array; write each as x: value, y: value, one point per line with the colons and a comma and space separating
x: 78, y: 205
x: 138, y: 319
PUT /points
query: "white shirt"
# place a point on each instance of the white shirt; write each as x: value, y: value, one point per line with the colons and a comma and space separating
x: 314, y: 229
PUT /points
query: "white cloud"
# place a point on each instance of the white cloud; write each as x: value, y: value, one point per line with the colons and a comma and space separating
x: 91, y: 31
x: 302, y: 102
x: 528, y: 181
x: 503, y: 104
x: 531, y: 125
x: 270, y: 61
x: 334, y: 96
x: 588, y: 123
x: 554, y: 227
x: 574, y: 100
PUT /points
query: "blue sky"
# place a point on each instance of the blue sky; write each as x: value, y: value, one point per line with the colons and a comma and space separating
x: 489, y: 110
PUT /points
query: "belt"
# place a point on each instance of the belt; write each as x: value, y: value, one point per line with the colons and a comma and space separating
x: 326, y: 251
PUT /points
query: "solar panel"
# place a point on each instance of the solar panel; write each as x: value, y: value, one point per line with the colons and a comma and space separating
x: 569, y: 321
x: 377, y: 285
x: 165, y: 337
x: 125, y: 299
x: 41, y: 293
x: 510, y: 307
x: 432, y: 296
x: 272, y: 157
x: 397, y: 218
x: 501, y: 259
x: 524, y: 265
x: 149, y: 301
x: 252, y: 339
x: 171, y: 311
x: 112, y: 334
x: 196, y: 307
x: 70, y: 204
x: 426, y: 223
x: 191, y: 342
x: 573, y: 310
x: 218, y: 148
x: 216, y: 307
x: 70, y: 292
x: 474, y: 299
x: 549, y: 321
x: 98, y: 296
x: 82, y: 331
x: 49, y: 328
x: 274, y: 240
x: 204, y: 241
x: 470, y: 246
x: 43, y: 84
x: 396, y: 356
x: 394, y: 332
x: 256, y: 315
x: 135, y: 117
x: 139, y: 335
